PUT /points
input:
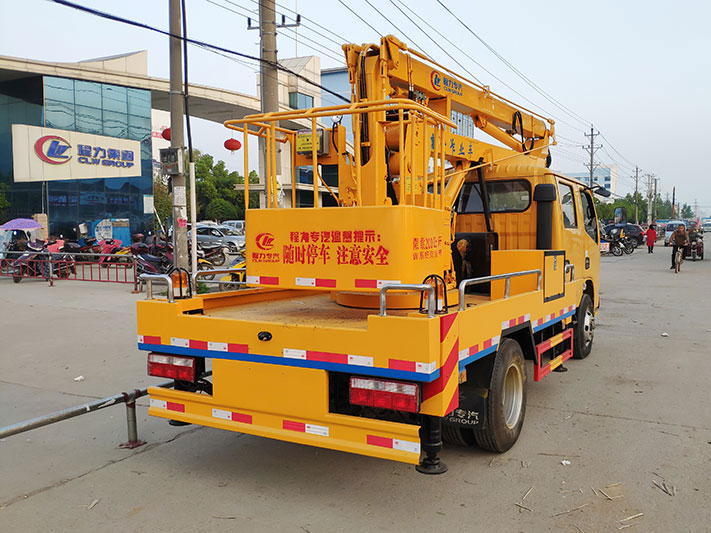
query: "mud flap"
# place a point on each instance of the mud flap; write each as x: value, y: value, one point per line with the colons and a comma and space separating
x: 472, y: 408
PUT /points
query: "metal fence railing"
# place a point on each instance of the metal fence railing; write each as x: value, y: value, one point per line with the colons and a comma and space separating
x: 107, y: 268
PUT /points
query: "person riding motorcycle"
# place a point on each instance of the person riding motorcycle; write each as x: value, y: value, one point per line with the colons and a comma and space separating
x: 679, y: 239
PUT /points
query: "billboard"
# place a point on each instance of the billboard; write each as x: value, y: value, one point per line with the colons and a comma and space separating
x: 47, y: 154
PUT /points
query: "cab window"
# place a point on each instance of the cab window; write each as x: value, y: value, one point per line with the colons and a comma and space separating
x: 505, y: 196
x: 589, y: 219
x: 567, y: 204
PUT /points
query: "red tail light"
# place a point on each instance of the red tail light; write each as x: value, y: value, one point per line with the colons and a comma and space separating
x: 171, y: 366
x: 394, y: 395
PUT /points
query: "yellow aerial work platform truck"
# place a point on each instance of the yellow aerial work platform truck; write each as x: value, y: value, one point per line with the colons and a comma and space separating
x: 417, y: 306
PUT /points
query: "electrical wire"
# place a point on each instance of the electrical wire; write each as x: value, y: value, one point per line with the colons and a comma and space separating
x: 205, y: 45
x: 543, y: 93
x: 321, y: 48
x: 410, y: 39
x: 304, y: 17
x: 359, y: 17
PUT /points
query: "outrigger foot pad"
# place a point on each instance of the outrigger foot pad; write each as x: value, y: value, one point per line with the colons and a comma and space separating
x: 178, y: 423
x: 560, y: 368
x: 431, y: 466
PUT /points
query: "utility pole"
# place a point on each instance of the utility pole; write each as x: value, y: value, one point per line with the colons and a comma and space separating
x: 180, y: 219
x: 673, y: 200
x: 696, y: 208
x: 655, y: 199
x: 268, y: 78
x: 636, y: 202
x: 591, y: 150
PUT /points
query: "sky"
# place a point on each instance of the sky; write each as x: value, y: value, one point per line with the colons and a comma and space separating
x: 638, y: 70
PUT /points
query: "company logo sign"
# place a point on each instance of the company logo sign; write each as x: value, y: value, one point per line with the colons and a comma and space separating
x: 52, y: 149
x: 442, y: 82
x: 265, y: 241
x: 56, y: 150
x: 436, y: 80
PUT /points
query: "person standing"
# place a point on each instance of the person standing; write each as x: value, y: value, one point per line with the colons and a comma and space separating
x: 679, y: 239
x: 651, y: 235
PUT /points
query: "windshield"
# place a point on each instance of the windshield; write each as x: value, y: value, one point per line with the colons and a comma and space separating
x: 513, y: 196
x: 227, y: 230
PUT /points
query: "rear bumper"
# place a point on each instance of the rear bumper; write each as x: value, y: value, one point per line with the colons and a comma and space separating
x: 374, y: 438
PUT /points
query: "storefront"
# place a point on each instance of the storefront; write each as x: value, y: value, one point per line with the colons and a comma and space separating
x: 79, y: 151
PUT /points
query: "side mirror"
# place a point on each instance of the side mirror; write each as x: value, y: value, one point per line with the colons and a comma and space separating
x: 601, y: 191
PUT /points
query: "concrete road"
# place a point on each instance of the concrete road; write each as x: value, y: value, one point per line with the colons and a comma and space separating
x: 635, y: 413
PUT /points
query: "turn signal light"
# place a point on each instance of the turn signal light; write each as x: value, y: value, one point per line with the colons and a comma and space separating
x: 171, y: 366
x: 393, y: 395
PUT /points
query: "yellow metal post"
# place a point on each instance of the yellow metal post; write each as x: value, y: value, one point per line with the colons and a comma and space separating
x: 293, y: 170
x: 356, y: 150
x: 401, y: 154
x: 314, y: 160
x: 412, y: 158
x: 275, y: 187
x: 246, y: 168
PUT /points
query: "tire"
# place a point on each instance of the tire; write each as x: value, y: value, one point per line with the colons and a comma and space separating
x: 616, y: 249
x: 232, y: 247
x: 231, y: 286
x: 206, y: 266
x: 219, y: 259
x: 457, y: 435
x: 584, y: 332
x: 506, y: 408
x: 15, y: 277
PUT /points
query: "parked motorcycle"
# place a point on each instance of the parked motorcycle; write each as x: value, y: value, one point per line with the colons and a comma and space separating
x: 36, y: 260
x: 154, y: 264
x: 697, y: 248
x: 214, y: 253
x: 238, y: 276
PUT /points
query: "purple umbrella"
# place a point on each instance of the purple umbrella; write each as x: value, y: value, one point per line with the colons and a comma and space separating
x: 20, y: 223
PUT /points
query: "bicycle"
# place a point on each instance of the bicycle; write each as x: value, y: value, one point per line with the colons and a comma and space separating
x: 678, y: 258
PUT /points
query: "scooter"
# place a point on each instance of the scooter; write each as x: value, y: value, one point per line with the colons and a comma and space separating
x: 109, y: 246
x: 697, y: 248
x: 238, y: 276
x: 154, y: 264
x: 35, y: 262
x: 214, y: 253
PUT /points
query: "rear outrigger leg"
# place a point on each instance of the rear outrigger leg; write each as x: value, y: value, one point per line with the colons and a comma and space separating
x: 431, y: 439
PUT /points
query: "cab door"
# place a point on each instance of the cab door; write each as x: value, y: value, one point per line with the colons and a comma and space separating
x: 571, y: 225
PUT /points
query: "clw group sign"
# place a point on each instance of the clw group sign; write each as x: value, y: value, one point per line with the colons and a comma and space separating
x: 46, y: 154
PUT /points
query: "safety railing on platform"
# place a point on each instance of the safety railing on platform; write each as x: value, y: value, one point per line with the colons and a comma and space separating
x: 476, y: 281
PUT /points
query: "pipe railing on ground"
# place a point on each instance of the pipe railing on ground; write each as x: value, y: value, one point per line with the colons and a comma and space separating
x: 128, y: 398
x: 476, y: 281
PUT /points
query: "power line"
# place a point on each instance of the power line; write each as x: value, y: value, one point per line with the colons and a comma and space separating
x: 320, y: 48
x: 515, y: 70
x: 203, y: 44
x: 359, y: 17
x: 304, y: 17
x: 393, y: 24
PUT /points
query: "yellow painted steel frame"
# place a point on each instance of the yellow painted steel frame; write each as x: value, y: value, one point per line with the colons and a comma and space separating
x: 280, y: 389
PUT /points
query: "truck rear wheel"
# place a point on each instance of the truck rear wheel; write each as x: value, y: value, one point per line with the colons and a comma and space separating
x: 506, y: 408
x: 584, y: 329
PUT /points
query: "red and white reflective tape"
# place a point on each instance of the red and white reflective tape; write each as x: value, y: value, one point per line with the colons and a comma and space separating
x: 148, y: 339
x: 195, y: 344
x: 412, y: 366
x: 375, y: 283
x: 315, y: 282
x: 552, y: 316
x: 170, y: 406
x: 301, y: 427
x: 488, y: 343
x: 506, y: 324
x: 263, y: 280
x: 231, y: 415
x: 328, y: 357
x: 395, y: 444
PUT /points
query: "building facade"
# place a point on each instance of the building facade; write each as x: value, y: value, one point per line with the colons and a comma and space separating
x: 604, y: 175
x: 115, y: 204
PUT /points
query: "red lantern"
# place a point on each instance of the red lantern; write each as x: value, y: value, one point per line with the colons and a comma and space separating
x: 233, y: 144
x: 165, y: 134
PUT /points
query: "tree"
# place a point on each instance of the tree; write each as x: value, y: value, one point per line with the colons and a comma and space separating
x: 220, y: 209
x: 687, y: 212
x: 162, y: 201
